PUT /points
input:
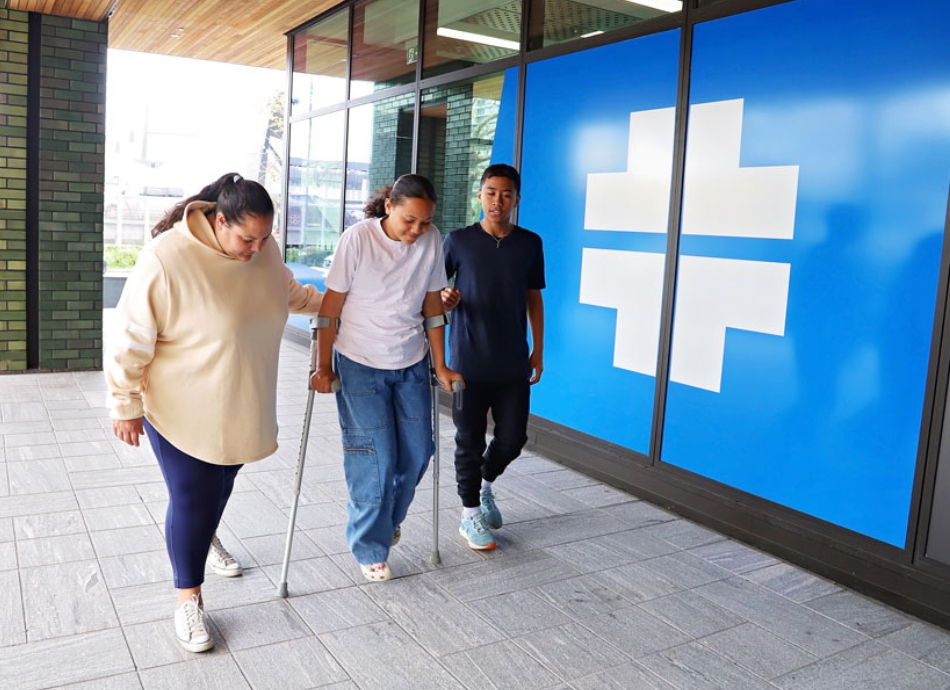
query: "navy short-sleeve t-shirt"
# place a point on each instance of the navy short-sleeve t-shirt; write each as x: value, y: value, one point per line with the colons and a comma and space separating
x: 488, y: 334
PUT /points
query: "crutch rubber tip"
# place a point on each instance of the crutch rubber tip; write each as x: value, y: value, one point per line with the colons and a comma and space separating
x: 435, y: 559
x: 335, y: 386
x: 282, y: 590
x: 457, y: 386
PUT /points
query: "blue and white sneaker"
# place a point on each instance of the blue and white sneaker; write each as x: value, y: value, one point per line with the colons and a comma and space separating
x: 490, y: 510
x: 475, y: 531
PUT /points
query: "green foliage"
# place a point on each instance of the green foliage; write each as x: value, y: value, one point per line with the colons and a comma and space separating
x: 121, y: 255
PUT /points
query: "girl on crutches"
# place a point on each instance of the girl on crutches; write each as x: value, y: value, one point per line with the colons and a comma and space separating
x: 382, y: 305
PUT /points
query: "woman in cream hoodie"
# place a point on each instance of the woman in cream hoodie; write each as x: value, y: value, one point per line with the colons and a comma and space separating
x: 193, y: 364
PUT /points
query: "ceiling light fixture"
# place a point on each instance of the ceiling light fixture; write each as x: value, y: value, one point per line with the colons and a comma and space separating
x: 662, y: 5
x: 591, y: 33
x: 472, y: 37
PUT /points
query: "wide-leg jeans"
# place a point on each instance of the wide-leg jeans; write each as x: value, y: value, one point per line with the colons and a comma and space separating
x: 386, y: 421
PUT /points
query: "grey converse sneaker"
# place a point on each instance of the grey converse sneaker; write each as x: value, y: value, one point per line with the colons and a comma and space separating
x: 190, y: 626
x: 222, y: 563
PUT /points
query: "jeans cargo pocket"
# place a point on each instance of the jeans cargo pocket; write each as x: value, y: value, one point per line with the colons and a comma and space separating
x: 361, y: 467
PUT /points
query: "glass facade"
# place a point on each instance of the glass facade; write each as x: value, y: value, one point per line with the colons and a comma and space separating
x: 385, y: 45
x: 319, y: 64
x: 560, y: 21
x: 460, y: 34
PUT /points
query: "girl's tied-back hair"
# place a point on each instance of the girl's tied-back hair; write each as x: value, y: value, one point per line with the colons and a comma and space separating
x: 406, y: 187
x: 235, y: 197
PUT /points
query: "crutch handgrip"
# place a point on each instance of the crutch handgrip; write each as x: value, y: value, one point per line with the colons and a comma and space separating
x: 335, y: 386
x: 457, y: 386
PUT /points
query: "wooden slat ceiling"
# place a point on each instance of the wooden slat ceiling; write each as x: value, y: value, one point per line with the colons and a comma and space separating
x: 244, y: 32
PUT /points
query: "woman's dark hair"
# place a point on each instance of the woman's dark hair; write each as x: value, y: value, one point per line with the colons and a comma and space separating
x: 406, y: 187
x: 235, y: 197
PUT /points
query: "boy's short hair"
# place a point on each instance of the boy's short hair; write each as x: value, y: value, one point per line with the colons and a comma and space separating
x: 502, y: 170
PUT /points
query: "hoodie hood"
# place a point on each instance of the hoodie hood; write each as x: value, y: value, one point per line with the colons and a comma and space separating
x: 196, y: 226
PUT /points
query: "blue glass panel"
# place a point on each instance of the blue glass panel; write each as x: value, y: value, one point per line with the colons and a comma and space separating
x: 823, y: 416
x: 576, y: 123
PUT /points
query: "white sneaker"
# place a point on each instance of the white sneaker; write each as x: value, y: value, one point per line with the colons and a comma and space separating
x: 222, y: 563
x: 190, y: 626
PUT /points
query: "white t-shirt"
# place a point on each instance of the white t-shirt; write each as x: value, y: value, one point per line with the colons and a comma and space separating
x: 385, y: 282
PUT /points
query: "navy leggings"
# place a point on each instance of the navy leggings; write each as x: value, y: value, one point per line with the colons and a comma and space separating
x: 197, y: 494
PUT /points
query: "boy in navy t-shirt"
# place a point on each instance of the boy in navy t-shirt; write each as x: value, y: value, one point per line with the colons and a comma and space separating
x: 499, y: 274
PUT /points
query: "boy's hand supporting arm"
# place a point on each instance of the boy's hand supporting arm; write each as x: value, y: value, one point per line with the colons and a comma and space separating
x: 535, y: 308
x: 432, y: 306
x: 331, y: 307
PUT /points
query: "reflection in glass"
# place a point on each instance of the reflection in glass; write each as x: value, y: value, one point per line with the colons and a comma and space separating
x: 461, y: 33
x: 319, y: 64
x: 456, y: 136
x: 560, y: 21
x: 315, y: 189
x: 379, y: 149
x: 385, y: 45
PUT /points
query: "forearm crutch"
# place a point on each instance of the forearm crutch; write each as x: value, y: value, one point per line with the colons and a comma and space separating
x: 315, y: 323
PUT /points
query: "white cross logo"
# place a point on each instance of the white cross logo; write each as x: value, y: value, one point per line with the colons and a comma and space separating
x: 719, y: 198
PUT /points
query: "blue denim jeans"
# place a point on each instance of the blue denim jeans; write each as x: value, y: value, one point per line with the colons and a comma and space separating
x: 386, y: 420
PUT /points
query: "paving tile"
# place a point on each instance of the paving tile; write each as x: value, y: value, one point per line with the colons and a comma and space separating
x: 635, y: 582
x: 310, y: 576
x: 519, y: 613
x: 253, y: 587
x: 108, y: 497
x: 561, y: 529
x: 12, y: 624
x: 925, y: 642
x: 758, y: 650
x: 529, y: 489
x: 501, y: 575
x: 37, y: 477
x: 11, y: 412
x: 734, y: 557
x: 597, y: 495
x: 858, y: 612
x: 434, y: 619
x: 127, y: 570
x: 85, y: 463
x: 128, y: 540
x: 8, y: 556
x: 685, y: 569
x: 73, y: 424
x: 124, y: 476
x: 563, y: 479
x: 53, y: 550
x: 627, y: 677
x: 22, y: 394
x: 293, y: 665
x: 318, y: 515
x: 211, y: 673
x: 581, y: 598
x: 694, y: 667
x: 259, y: 624
x: 78, y: 435
x: 683, y: 533
x: 269, y: 549
x: 397, y: 661
x: 637, y: 544
x: 16, y: 506
x: 79, y: 448
x: 52, y: 663
x: 791, y: 582
x: 24, y: 427
x: 65, y: 599
x: 252, y: 514
x: 123, y: 681
x: 499, y: 665
x: 26, y: 453
x: 809, y: 630
x: 528, y: 463
x: 869, y: 666
x: 6, y: 529
x: 49, y: 524
x: 154, y: 601
x: 32, y: 438
x: 571, y: 652
x: 695, y: 615
x: 589, y: 555
x: 155, y: 644
x: 117, y: 517
x: 337, y: 610
x: 635, y: 632
x: 639, y: 514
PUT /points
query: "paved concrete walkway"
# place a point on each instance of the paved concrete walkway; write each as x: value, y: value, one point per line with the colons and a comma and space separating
x: 590, y: 589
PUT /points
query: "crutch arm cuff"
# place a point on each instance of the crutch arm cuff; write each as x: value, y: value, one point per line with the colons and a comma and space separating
x: 435, y: 321
x: 325, y: 322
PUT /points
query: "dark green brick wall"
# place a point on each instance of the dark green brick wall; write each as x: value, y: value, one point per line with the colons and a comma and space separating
x: 14, y: 41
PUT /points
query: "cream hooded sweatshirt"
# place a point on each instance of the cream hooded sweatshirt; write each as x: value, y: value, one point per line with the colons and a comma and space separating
x: 196, y: 342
